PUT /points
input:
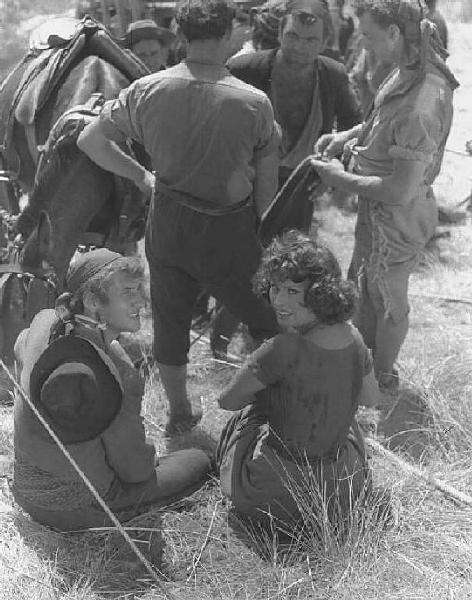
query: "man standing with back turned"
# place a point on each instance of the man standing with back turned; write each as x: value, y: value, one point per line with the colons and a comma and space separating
x: 213, y: 143
x: 396, y: 156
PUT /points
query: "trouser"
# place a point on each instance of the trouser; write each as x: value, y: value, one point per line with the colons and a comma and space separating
x: 383, y: 308
x: 177, y: 475
x: 188, y: 250
x: 225, y: 323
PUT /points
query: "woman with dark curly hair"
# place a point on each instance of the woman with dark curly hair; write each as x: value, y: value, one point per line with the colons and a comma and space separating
x: 298, y: 393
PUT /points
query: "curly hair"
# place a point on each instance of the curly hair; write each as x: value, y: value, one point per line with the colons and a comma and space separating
x: 294, y: 256
x: 205, y: 19
x: 391, y: 12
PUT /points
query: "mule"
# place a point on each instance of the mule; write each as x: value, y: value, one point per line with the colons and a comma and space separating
x: 77, y: 195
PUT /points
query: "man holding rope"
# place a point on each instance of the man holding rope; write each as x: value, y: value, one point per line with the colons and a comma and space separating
x: 213, y: 142
x: 396, y: 156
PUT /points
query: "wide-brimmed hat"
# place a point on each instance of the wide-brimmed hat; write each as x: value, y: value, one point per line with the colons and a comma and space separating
x: 75, y: 390
x: 145, y: 30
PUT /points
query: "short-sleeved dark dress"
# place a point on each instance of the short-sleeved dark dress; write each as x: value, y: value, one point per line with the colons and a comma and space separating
x: 300, y: 431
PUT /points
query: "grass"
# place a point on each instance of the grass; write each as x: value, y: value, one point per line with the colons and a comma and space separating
x: 426, y: 554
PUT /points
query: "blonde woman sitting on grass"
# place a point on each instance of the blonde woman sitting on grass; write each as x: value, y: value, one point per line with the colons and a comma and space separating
x: 296, y: 398
x: 83, y: 383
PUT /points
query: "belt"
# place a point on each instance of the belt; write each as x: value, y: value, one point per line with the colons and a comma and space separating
x: 202, y: 206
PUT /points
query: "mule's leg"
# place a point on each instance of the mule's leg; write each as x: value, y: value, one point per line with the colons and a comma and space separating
x: 12, y: 322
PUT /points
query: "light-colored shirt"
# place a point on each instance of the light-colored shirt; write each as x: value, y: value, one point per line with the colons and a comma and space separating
x: 201, y: 127
x: 409, y: 121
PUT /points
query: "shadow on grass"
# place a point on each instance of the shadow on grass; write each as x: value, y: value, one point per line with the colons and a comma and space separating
x: 89, y: 561
x: 197, y: 438
x: 406, y: 426
x: 100, y: 561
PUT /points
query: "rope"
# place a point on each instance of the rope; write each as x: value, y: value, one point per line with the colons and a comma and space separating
x: 445, y: 488
x: 149, y: 568
x: 442, y: 298
x: 458, y: 152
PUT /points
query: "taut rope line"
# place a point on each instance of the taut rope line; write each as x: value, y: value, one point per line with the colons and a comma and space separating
x: 445, y: 488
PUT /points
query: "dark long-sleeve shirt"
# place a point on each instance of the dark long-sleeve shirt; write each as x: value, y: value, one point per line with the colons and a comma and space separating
x: 338, y: 103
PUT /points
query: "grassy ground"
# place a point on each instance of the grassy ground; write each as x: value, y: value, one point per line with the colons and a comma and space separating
x: 426, y: 554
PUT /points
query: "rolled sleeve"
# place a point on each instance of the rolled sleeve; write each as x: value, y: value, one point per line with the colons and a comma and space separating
x: 415, y: 138
x: 119, y: 118
x: 268, y: 132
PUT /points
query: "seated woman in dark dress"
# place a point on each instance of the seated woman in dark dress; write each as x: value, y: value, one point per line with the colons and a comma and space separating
x: 83, y: 383
x: 298, y: 394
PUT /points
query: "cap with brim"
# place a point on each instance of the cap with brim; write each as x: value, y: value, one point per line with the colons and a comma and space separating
x: 88, y: 265
x: 145, y: 30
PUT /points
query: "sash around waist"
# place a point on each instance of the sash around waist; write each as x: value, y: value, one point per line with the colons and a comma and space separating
x: 199, y: 205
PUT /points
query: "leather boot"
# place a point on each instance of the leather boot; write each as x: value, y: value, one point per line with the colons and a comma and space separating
x: 182, y: 415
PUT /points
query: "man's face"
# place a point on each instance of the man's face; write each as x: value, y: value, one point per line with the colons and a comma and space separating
x: 125, y: 301
x: 301, y: 43
x: 382, y: 42
x: 152, y: 53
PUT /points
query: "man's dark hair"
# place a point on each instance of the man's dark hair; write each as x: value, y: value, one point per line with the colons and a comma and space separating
x: 301, y: 11
x: 389, y: 12
x: 205, y: 19
x: 265, y: 30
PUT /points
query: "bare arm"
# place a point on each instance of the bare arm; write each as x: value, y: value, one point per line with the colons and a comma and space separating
x: 106, y: 153
x: 404, y: 182
x: 240, y: 392
x: 266, y: 181
x: 332, y: 144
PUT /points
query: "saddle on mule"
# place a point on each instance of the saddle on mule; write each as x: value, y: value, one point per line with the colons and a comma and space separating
x: 127, y: 220
x: 29, y: 87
